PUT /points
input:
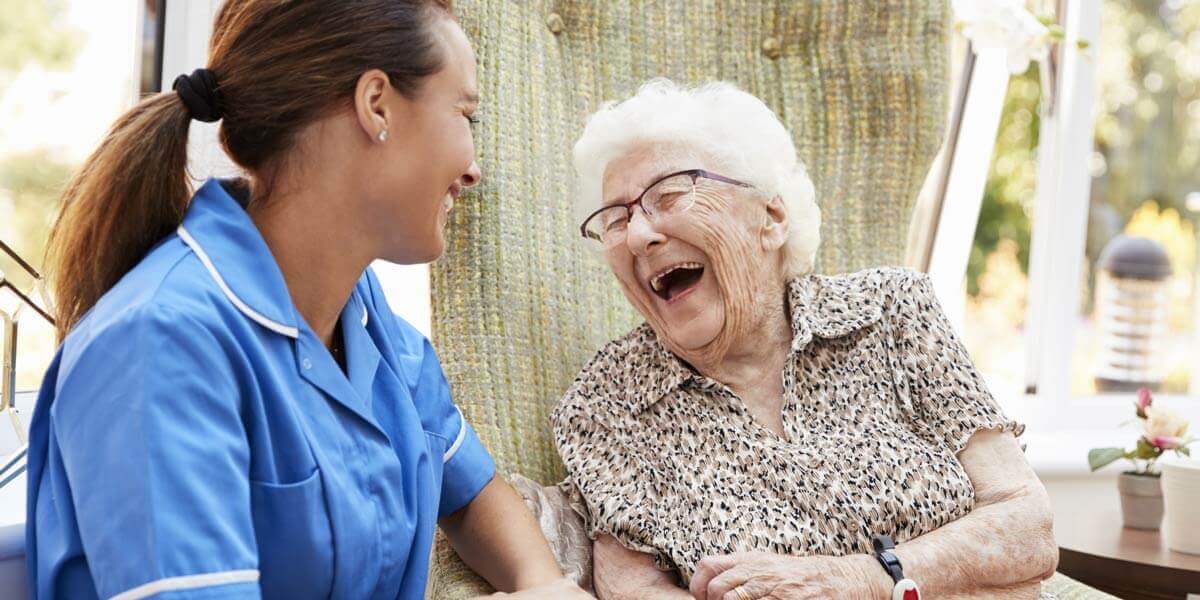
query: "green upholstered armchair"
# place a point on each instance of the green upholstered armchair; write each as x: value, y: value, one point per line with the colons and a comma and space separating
x: 518, y: 306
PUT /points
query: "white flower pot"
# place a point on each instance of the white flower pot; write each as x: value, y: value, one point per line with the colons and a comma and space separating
x: 1141, y: 501
x: 1181, y: 495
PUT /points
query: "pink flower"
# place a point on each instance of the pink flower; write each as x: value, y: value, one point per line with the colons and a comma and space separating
x: 1143, y: 402
x: 1164, y: 428
x: 1166, y: 442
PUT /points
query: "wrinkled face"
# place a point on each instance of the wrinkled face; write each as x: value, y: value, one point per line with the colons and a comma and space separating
x: 694, y: 275
x: 429, y: 157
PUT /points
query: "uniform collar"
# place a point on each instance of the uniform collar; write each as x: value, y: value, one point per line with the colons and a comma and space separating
x: 221, y: 234
x: 821, y: 306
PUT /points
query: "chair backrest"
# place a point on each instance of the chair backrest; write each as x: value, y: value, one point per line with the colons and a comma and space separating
x: 518, y: 306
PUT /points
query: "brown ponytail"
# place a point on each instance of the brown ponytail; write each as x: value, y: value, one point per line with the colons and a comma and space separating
x: 130, y: 193
x: 279, y: 67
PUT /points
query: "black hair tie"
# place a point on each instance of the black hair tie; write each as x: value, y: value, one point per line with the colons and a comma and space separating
x: 200, y: 95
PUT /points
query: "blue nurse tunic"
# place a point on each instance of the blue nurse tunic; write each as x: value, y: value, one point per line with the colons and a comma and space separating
x: 194, y: 439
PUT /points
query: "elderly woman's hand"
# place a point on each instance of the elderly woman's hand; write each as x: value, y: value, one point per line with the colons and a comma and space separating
x: 779, y: 577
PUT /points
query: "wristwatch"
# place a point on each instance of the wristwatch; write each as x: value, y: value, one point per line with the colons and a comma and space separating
x: 905, y: 588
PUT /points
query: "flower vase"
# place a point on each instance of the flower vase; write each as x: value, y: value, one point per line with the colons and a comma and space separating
x: 1141, y: 500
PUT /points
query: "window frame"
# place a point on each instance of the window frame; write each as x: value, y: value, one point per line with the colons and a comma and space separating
x: 1057, y: 419
x: 1059, y: 230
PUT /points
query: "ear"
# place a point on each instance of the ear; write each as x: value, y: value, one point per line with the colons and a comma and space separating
x: 774, y: 233
x: 369, y: 105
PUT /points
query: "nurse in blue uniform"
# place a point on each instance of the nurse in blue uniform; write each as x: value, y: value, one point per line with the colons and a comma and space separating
x: 234, y: 411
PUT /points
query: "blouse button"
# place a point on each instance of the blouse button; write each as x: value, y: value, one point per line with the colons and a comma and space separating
x: 307, y: 364
x: 554, y: 21
x: 771, y: 48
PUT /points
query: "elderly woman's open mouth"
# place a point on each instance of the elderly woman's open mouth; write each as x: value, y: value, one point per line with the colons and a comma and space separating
x: 676, y: 281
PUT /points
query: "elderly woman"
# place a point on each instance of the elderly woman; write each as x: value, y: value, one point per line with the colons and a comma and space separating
x: 766, y: 425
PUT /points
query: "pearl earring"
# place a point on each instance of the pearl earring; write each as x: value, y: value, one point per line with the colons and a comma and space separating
x: 383, y: 135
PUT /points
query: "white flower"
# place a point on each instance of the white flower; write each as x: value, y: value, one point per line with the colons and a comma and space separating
x: 1005, y: 24
x: 1164, y: 428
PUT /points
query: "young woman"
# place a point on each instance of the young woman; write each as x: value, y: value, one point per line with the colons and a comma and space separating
x: 234, y: 411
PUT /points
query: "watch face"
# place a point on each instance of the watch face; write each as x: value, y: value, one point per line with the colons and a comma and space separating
x: 906, y: 589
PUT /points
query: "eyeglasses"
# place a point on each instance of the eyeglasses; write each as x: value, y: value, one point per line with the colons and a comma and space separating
x: 670, y: 195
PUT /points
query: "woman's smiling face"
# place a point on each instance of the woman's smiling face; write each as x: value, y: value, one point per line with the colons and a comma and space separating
x: 693, y: 275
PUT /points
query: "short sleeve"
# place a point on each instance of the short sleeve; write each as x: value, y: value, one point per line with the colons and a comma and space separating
x: 947, y: 398
x: 148, y: 430
x: 609, y: 479
x: 467, y: 466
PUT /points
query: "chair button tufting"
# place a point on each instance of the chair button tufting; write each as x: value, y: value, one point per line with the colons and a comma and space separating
x: 770, y: 48
x: 555, y: 22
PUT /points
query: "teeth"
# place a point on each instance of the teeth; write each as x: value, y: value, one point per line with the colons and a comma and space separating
x: 656, y: 281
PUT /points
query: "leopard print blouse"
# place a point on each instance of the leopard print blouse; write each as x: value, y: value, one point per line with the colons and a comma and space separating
x: 880, y: 396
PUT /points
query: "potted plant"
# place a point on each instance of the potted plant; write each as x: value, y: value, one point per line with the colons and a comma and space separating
x: 1163, y: 430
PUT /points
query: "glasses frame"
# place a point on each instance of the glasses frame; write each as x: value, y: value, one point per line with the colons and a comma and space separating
x: 695, y: 174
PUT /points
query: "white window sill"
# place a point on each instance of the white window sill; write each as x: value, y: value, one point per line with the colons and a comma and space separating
x: 1063, y: 454
x: 1059, y: 434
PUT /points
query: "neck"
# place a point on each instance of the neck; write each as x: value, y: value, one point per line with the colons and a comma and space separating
x: 315, y: 247
x: 756, y: 354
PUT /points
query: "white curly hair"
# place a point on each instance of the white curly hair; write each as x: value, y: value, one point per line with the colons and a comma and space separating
x: 723, y: 121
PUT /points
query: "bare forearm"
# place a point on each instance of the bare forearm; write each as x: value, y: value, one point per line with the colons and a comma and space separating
x: 498, y: 538
x: 996, y: 546
x: 1006, y: 541
x: 623, y: 574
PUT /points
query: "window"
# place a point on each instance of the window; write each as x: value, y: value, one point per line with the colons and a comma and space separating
x: 154, y: 13
x: 1114, y: 150
x: 1145, y: 166
x: 68, y: 68
x: 997, y: 282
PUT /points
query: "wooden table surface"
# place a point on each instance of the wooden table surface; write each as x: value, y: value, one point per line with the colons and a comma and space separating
x: 1094, y: 548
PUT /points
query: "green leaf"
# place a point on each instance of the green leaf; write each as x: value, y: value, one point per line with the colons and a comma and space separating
x: 1083, y: 44
x: 1099, y: 458
x: 1146, y: 451
x: 1184, y: 451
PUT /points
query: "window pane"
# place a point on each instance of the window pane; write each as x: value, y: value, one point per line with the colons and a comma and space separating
x: 997, y: 270
x: 1137, y: 327
x: 68, y: 68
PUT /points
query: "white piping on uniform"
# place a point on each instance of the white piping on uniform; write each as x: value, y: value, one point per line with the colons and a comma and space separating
x: 291, y: 332
x: 187, y: 582
x: 462, y: 435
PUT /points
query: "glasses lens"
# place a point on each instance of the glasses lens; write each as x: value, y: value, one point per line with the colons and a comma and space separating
x: 608, y: 225
x: 671, y: 195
